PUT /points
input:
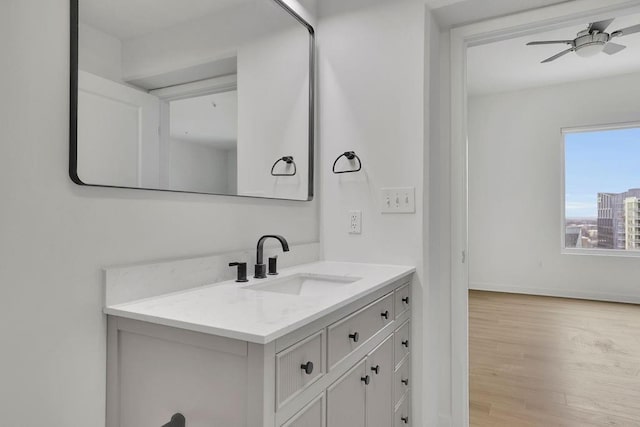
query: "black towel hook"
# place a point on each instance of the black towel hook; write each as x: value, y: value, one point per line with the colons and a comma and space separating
x: 350, y: 155
x: 288, y: 160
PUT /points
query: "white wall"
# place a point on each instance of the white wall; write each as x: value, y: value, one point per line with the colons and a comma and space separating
x: 515, y: 190
x: 371, y: 70
x: 99, y: 53
x: 199, y: 167
x: 55, y: 236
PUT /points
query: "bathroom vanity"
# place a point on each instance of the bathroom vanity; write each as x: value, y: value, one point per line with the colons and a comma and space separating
x: 321, y: 344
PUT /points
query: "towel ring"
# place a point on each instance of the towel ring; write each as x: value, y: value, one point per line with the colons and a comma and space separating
x: 288, y: 160
x: 350, y: 155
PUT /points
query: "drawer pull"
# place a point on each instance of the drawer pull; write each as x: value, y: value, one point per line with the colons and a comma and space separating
x: 366, y: 379
x: 385, y: 314
x: 405, y: 343
x: 405, y: 420
x: 177, y: 420
x: 376, y: 369
x: 405, y: 300
x: 405, y: 381
x: 355, y: 337
x: 307, y: 368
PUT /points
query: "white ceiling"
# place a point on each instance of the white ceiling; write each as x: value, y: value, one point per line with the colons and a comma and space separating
x: 125, y: 19
x: 511, y: 65
x: 198, y: 120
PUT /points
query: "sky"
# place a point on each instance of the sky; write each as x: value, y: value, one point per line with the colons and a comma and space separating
x: 599, y: 162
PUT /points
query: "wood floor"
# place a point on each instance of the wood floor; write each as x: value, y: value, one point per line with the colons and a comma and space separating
x: 542, y: 361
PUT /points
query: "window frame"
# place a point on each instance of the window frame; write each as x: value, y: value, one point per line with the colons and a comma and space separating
x: 586, y: 251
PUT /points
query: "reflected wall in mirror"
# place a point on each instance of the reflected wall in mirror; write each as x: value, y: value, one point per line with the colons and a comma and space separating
x: 192, y: 95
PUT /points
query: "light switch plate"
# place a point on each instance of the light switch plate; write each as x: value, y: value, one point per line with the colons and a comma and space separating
x: 398, y: 200
x: 355, y: 222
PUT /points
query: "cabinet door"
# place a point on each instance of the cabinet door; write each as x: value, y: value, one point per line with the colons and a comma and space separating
x: 346, y: 399
x: 310, y: 416
x: 379, y: 392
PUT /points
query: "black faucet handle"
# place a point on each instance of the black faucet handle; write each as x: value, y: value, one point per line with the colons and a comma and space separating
x: 260, y: 272
x: 242, y: 271
x: 273, y: 265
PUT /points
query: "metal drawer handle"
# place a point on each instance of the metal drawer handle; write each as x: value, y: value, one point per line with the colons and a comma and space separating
x: 355, y: 336
x: 307, y: 368
x: 366, y: 379
x: 177, y: 420
x: 405, y: 343
x: 405, y: 420
x: 376, y: 369
x: 385, y: 314
x: 405, y: 300
x: 405, y: 381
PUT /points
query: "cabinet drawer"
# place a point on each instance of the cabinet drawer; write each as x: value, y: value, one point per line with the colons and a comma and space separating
x: 402, y: 339
x: 312, y: 415
x: 403, y: 413
x: 402, y: 381
x: 299, y: 366
x: 402, y: 300
x: 351, y: 332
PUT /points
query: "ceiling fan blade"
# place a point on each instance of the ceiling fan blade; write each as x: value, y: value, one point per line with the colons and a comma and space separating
x: 626, y: 31
x: 600, y: 26
x: 551, y: 42
x: 612, y: 48
x: 556, y: 56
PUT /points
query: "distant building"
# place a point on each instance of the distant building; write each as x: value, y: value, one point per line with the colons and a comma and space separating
x: 612, y: 230
x: 573, y: 237
x: 632, y: 223
x: 605, y: 220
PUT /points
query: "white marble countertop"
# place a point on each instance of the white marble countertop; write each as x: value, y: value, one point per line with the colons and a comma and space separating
x: 231, y: 310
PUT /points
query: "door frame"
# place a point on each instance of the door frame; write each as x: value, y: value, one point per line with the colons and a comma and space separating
x: 461, y: 38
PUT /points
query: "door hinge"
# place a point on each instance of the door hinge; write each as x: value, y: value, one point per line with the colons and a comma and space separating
x: 464, y: 256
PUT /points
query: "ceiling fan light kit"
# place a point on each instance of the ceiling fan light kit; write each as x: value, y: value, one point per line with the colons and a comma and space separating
x: 591, y: 41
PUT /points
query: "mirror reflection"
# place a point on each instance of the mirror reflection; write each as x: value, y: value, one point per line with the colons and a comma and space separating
x: 198, y: 95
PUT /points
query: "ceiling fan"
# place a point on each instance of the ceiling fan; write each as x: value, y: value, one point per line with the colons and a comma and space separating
x: 592, y: 40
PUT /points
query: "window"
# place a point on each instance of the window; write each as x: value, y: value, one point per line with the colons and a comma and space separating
x: 602, y: 189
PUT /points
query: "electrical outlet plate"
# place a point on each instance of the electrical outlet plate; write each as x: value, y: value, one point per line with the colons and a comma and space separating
x: 355, y: 222
x: 398, y: 200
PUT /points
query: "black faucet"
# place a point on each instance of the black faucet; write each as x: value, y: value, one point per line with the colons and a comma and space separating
x: 260, y: 272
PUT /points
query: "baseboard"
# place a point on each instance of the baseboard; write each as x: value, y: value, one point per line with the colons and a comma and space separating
x: 551, y: 292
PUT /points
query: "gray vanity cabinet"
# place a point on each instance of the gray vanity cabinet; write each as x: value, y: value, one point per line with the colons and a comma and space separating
x: 349, y: 368
x: 312, y: 415
x: 346, y: 399
x: 363, y: 396
x: 380, y: 389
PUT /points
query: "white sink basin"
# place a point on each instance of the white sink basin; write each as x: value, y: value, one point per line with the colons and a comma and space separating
x: 304, y: 284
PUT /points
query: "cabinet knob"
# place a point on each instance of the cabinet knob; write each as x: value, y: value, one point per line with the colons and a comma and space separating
x: 405, y: 381
x: 376, y: 369
x: 307, y: 368
x: 405, y: 300
x: 177, y: 420
x: 366, y: 379
x: 405, y: 420
x: 355, y: 336
x: 385, y: 314
x: 405, y: 343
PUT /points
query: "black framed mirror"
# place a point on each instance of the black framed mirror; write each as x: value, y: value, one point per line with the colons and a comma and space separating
x: 198, y: 96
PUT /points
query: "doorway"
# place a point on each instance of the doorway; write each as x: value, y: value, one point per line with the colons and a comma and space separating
x: 463, y: 252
